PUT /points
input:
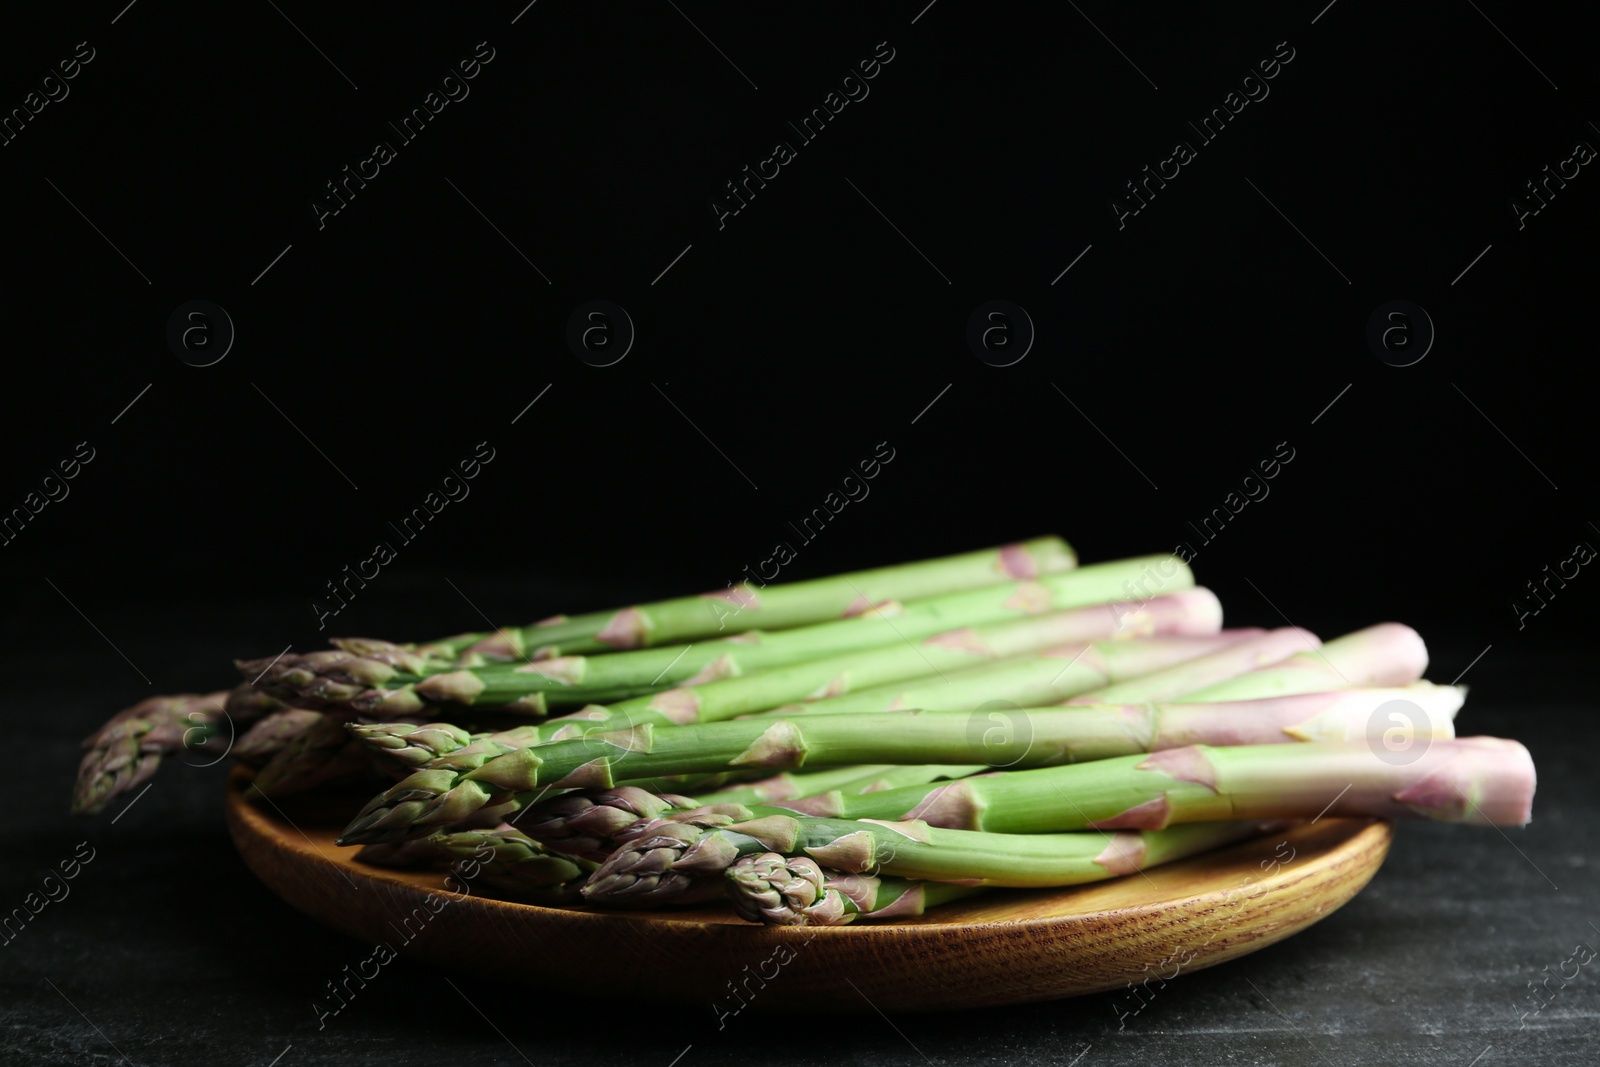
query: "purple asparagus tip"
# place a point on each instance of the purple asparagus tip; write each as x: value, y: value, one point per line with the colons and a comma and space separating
x: 660, y: 862
x: 778, y: 890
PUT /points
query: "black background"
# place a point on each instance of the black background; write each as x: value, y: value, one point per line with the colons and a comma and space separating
x: 771, y: 356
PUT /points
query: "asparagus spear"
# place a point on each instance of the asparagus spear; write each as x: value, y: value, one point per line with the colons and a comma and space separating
x: 747, y: 606
x: 501, y: 856
x: 779, y: 890
x: 786, y: 785
x: 273, y: 733
x: 664, y: 859
x: 419, y: 852
x: 1055, y: 674
x: 302, y: 748
x: 368, y: 686
x: 126, y: 752
x: 403, y: 747
x: 366, y: 662
x: 1182, y: 679
x: 510, y: 860
x: 585, y: 823
x: 519, y: 865
x: 320, y: 756
x: 1032, y: 679
x: 246, y: 703
x: 323, y: 752
x: 415, y: 745
x: 859, y: 778
x: 1479, y: 780
x: 327, y: 676
x: 515, y: 863
x: 1387, y: 654
x: 597, y: 679
x: 452, y: 786
x: 943, y: 655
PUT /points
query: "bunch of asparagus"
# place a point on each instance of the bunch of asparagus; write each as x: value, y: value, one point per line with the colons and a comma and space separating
x: 868, y: 745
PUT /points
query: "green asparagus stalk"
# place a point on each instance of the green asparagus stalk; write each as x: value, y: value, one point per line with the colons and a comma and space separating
x: 778, y: 890
x: 860, y: 778
x: 749, y: 606
x: 1049, y: 673
x: 363, y: 662
x: 1049, y: 676
x: 973, y: 858
x: 664, y: 859
x: 1030, y: 640
x: 408, y: 747
x: 404, y: 747
x: 452, y: 786
x: 402, y: 683
x: 1388, y: 654
x: 126, y: 752
x: 1009, y: 681
x: 787, y: 785
x: 382, y: 689
x: 1182, y: 679
x: 695, y: 784
x: 1478, y: 780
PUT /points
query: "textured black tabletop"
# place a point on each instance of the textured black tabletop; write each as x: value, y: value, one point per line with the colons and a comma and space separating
x: 165, y: 949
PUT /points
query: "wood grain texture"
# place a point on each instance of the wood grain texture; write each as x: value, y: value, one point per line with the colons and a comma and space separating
x: 1002, y: 947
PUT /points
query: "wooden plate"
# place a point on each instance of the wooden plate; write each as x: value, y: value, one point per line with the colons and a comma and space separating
x: 1003, y: 947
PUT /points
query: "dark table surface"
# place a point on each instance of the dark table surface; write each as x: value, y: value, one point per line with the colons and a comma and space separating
x: 167, y: 950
